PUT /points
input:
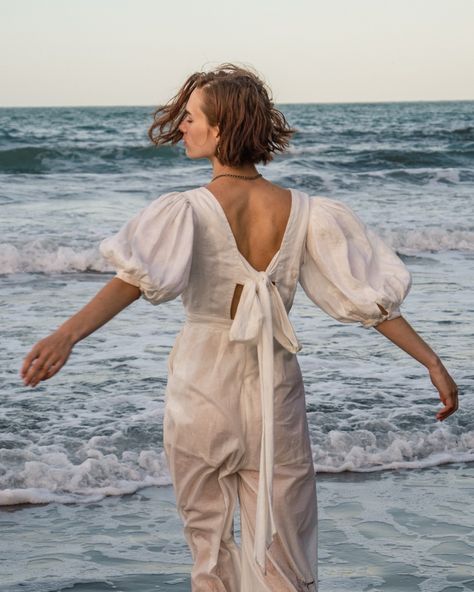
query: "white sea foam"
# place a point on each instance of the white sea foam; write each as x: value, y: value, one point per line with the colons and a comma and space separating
x: 51, y: 476
x: 360, y: 451
x: 54, y: 477
x: 36, y: 256
x: 429, y: 239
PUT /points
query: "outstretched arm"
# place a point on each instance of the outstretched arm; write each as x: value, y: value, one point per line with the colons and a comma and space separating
x: 402, y: 334
x: 50, y: 354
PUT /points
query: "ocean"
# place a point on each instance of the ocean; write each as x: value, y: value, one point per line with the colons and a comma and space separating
x: 84, y: 487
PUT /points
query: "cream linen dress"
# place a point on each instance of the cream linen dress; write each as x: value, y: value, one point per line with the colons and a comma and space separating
x: 235, y: 425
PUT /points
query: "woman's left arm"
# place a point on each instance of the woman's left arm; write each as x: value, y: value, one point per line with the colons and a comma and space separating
x: 402, y: 334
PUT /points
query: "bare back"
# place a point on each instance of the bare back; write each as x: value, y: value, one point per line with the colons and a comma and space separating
x: 258, y: 213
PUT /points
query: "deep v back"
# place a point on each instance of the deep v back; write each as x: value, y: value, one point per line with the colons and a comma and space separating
x: 234, y: 241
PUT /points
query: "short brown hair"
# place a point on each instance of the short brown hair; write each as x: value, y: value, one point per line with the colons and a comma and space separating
x: 238, y: 101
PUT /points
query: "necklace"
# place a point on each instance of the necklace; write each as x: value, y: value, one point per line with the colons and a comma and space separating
x: 237, y: 176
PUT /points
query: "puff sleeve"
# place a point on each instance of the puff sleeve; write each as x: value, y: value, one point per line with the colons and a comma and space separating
x: 153, y: 250
x: 347, y: 269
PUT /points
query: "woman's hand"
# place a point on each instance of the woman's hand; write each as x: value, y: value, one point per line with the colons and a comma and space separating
x: 50, y: 354
x: 46, y: 358
x: 447, y: 388
x: 402, y: 334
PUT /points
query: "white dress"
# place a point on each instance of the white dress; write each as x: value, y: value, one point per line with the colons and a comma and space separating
x: 235, y: 425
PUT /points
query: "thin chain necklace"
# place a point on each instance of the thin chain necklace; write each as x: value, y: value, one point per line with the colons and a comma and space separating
x: 237, y: 176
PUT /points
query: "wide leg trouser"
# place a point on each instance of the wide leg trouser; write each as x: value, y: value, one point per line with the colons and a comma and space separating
x: 211, y: 435
x: 206, y: 500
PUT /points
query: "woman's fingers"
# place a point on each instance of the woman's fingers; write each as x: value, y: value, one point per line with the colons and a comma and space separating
x: 43, y: 374
x: 450, y: 406
x: 45, y: 359
x: 33, y: 368
x: 446, y: 412
x: 448, y: 391
x: 54, y: 369
x: 450, y: 402
x: 38, y: 369
x: 28, y: 360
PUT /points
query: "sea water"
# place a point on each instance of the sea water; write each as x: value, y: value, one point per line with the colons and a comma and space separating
x: 70, y: 177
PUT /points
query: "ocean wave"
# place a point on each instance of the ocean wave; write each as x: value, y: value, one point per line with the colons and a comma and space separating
x: 105, y: 158
x: 31, y: 477
x: 413, y: 134
x: 53, y: 477
x: 376, y: 158
x: 96, y: 159
x: 39, y: 256
x: 430, y: 239
x: 36, y: 257
x: 423, y: 176
x: 360, y: 451
x: 396, y: 163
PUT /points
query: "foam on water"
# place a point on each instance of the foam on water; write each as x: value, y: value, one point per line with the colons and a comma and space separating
x: 49, y: 474
x: 43, y: 256
x: 33, y: 257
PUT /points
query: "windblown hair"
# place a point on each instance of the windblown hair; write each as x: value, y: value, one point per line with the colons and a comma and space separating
x: 236, y: 100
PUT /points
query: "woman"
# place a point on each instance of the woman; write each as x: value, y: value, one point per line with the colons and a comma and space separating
x: 235, y: 424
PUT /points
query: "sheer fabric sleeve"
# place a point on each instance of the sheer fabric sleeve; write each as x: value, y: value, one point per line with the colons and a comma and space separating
x: 348, y: 270
x: 153, y: 250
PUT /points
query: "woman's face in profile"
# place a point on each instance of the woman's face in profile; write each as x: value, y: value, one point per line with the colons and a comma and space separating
x: 199, y: 138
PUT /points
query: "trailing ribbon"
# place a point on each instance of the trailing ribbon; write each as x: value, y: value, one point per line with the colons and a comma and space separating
x: 261, y: 316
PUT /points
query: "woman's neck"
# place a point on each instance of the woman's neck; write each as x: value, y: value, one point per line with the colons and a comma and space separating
x: 220, y: 169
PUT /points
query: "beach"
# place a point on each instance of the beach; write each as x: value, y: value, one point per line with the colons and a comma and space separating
x: 85, y: 493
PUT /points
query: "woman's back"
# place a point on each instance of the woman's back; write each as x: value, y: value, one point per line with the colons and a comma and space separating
x: 258, y: 213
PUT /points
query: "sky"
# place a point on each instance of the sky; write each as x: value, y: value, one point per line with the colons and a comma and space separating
x: 139, y: 52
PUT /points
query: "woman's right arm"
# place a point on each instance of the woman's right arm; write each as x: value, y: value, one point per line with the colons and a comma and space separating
x: 50, y: 354
x: 400, y: 332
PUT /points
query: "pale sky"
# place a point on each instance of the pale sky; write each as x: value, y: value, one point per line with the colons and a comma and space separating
x: 139, y: 52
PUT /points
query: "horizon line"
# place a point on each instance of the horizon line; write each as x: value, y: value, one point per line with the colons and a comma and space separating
x: 275, y: 103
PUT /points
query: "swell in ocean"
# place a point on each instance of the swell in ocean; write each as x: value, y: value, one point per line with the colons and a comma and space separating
x: 43, y: 256
x: 36, y: 160
x: 99, y: 469
x: 43, y: 159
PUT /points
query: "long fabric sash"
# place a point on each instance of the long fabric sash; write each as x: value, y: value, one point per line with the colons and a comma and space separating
x: 261, y: 316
